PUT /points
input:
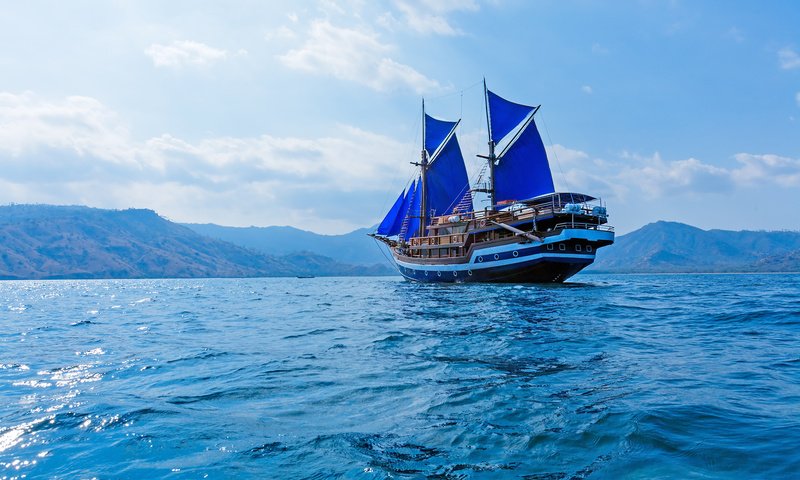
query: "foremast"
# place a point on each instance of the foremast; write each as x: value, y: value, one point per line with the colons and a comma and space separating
x: 423, y: 170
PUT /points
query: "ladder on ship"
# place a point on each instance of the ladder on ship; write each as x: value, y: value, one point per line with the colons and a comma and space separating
x: 406, y: 218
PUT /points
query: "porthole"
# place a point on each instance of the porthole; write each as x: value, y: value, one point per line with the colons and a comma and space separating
x: 577, y: 248
x: 562, y: 247
x: 439, y: 274
x: 426, y: 273
x: 480, y: 259
x: 588, y: 248
x: 549, y: 246
x: 455, y: 274
x: 469, y: 272
x: 516, y: 254
x: 496, y: 256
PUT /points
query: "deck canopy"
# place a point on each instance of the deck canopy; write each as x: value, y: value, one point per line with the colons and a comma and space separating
x: 560, y: 198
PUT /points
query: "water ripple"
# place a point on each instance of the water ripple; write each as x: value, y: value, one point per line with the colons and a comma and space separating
x: 669, y: 376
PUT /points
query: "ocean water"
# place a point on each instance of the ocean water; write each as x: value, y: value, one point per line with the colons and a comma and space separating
x: 672, y: 376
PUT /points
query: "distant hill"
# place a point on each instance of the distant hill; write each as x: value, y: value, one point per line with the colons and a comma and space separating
x: 43, y: 241
x: 671, y: 247
x: 354, y: 247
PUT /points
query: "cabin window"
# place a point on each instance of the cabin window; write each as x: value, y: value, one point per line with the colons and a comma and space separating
x: 562, y: 247
x: 588, y: 248
x: 496, y: 256
x: 516, y: 254
x: 577, y: 248
x: 438, y: 274
x: 480, y: 259
x: 455, y: 274
x: 549, y: 246
x: 469, y: 272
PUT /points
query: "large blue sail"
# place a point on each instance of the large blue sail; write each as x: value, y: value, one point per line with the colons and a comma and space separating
x: 436, y: 132
x: 446, y: 179
x: 504, y: 116
x: 523, y: 171
x: 390, y: 226
x: 413, y: 211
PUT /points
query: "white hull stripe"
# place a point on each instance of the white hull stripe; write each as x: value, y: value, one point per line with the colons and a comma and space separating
x: 463, y: 267
x: 485, y: 257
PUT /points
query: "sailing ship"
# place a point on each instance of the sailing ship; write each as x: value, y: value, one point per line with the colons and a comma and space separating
x: 528, y: 232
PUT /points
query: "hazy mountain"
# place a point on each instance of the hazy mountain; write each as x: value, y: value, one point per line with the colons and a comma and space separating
x: 354, y: 247
x: 676, y: 247
x: 41, y: 241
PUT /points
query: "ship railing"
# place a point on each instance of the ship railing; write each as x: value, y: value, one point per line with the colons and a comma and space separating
x: 585, y: 226
x: 449, y: 239
x: 512, y: 213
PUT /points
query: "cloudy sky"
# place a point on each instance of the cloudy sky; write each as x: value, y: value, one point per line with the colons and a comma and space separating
x: 307, y: 113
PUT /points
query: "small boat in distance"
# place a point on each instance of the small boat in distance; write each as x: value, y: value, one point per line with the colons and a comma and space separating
x: 527, y: 233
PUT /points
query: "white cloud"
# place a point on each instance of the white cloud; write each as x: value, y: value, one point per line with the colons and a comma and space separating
x: 766, y: 169
x: 431, y: 17
x: 735, y: 34
x: 788, y: 58
x: 183, y: 53
x: 586, y: 89
x: 76, y: 150
x: 598, y: 49
x: 357, y: 56
x: 280, y: 33
x: 655, y: 177
x: 80, y: 125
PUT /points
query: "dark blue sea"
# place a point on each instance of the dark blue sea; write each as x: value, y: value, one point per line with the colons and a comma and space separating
x: 607, y: 376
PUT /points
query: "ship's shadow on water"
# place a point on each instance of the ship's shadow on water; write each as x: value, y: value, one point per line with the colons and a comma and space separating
x: 600, y: 377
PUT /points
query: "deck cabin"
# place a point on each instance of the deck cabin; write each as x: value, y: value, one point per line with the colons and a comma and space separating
x: 451, y: 238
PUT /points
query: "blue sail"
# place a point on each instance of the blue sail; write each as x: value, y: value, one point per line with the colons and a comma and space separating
x: 523, y: 171
x: 436, y: 132
x: 504, y: 116
x: 413, y: 212
x: 446, y: 180
x: 389, y: 226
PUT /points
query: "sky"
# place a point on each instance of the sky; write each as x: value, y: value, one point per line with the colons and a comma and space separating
x: 307, y: 113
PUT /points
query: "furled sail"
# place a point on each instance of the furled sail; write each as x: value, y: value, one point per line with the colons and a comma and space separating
x: 413, y: 212
x: 389, y: 225
x: 504, y: 116
x: 446, y: 179
x: 436, y: 132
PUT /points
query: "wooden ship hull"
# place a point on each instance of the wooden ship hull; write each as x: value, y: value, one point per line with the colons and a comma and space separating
x: 534, y: 243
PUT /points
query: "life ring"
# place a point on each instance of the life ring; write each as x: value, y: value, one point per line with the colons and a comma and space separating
x: 482, y: 223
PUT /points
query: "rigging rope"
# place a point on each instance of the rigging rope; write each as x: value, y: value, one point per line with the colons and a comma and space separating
x: 558, y: 162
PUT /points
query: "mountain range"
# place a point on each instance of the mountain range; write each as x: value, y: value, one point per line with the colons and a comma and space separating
x: 354, y: 247
x: 660, y: 247
x: 45, y: 241
x: 671, y: 247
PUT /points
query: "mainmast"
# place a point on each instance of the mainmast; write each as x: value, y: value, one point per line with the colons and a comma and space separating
x: 492, y: 157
